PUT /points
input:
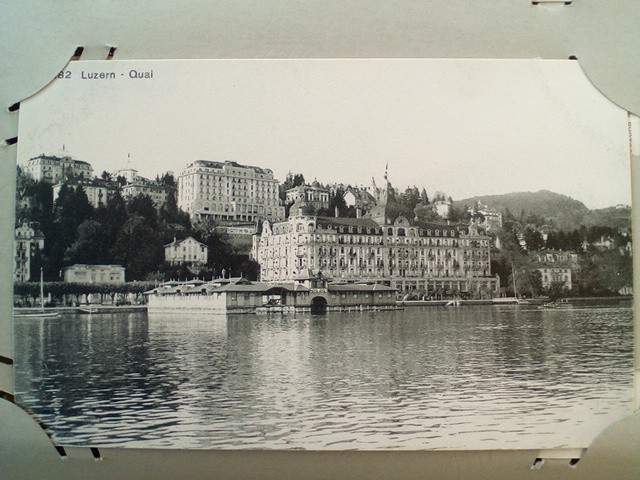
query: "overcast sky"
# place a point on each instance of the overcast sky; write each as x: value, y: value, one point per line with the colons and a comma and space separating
x: 464, y: 127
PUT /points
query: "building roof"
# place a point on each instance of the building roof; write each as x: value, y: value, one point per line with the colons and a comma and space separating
x: 220, y: 165
x: 290, y: 287
x: 244, y: 287
x: 314, y: 186
x: 53, y: 157
x: 178, y: 242
x: 360, y: 194
x: 348, y: 222
x: 359, y: 287
x: 145, y: 182
x: 85, y: 265
x: 88, y: 182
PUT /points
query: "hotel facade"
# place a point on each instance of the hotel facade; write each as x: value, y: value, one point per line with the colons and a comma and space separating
x: 158, y: 193
x: 229, y: 191
x: 52, y: 169
x: 418, y: 257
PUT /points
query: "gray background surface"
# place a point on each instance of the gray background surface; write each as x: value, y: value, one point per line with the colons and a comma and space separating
x: 37, y: 39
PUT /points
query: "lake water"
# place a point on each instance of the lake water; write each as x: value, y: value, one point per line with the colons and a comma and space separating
x: 423, y: 378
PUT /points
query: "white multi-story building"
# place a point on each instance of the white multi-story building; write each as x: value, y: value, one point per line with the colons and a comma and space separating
x: 486, y: 217
x: 555, y: 274
x: 314, y: 195
x: 442, y: 208
x: 142, y: 186
x: 186, y: 251
x: 81, y: 273
x: 427, y: 257
x: 229, y: 191
x: 52, y: 169
x: 98, y: 191
x: 28, y: 240
x: 556, y: 266
x: 129, y: 174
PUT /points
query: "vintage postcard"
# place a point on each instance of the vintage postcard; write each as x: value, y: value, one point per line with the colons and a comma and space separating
x: 324, y: 255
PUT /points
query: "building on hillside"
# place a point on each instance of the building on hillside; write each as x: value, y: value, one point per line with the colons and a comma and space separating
x: 186, y: 251
x: 602, y: 243
x: 555, y: 256
x: 28, y: 241
x: 360, y: 199
x: 129, y: 174
x: 98, y: 191
x: 555, y: 266
x: 488, y: 218
x: 53, y: 169
x: 158, y: 192
x: 81, y: 273
x: 229, y: 191
x: 405, y: 256
x: 555, y: 273
x: 443, y: 207
x: 314, y: 195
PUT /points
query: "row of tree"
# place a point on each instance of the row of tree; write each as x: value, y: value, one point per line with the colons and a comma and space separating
x: 72, y: 293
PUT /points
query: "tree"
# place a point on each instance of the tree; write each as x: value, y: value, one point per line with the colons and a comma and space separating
x: 528, y: 281
x: 459, y: 214
x: 173, y: 220
x: 91, y: 245
x: 424, y: 198
x: 167, y: 179
x: 138, y: 248
x: 425, y: 213
x: 411, y: 197
x: 71, y: 209
x: 556, y: 290
x: 143, y: 206
x: 249, y: 269
x: 534, y: 239
x: 291, y: 180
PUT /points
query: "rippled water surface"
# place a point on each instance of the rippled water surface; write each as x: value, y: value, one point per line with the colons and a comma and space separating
x: 469, y: 377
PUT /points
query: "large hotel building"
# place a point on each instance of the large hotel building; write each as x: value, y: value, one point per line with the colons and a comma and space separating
x: 229, y: 191
x: 423, y: 257
x: 52, y: 169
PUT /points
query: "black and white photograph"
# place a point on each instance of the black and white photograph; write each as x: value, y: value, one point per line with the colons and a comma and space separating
x: 352, y: 254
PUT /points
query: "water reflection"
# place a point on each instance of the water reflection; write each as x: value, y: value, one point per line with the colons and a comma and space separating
x: 472, y: 377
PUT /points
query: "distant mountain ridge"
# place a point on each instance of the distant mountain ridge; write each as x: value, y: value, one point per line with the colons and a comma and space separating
x: 559, y: 210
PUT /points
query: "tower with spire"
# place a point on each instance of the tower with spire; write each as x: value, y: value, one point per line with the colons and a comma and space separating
x: 378, y: 213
